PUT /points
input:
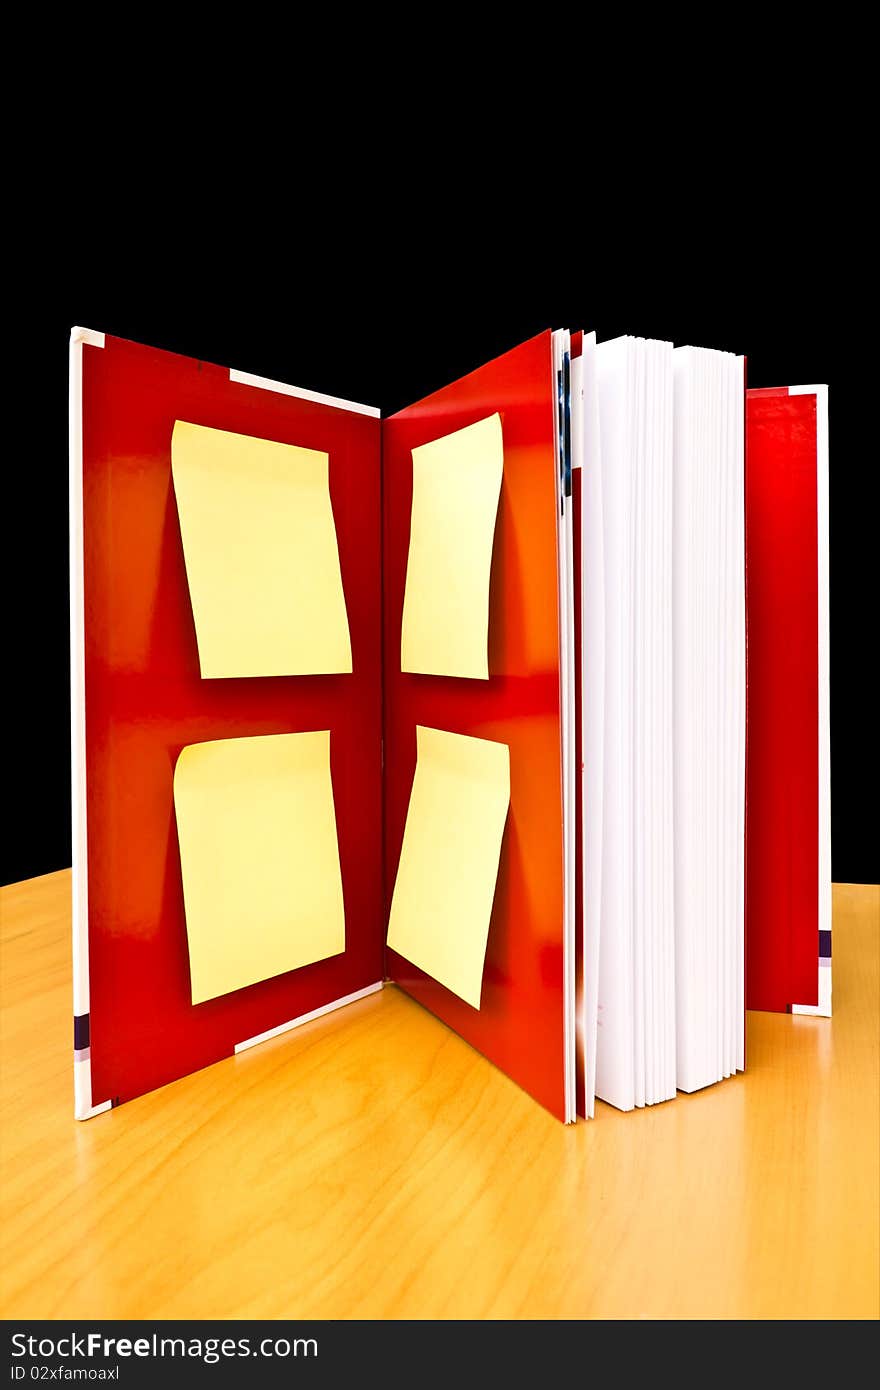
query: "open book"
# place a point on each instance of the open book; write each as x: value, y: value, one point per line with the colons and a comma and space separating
x: 455, y: 699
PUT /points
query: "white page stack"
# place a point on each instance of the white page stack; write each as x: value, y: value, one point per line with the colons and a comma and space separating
x: 660, y: 431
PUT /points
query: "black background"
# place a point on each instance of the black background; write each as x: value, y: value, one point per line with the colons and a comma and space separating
x: 388, y: 314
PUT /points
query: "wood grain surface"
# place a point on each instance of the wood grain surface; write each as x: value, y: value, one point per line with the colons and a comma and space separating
x: 371, y: 1165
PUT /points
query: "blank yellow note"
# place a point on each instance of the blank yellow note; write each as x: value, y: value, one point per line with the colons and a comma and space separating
x: 456, y: 484
x: 262, y: 887
x: 262, y: 562
x: 445, y: 885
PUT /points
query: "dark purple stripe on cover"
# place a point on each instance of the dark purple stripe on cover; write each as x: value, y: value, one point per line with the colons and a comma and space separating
x: 825, y: 945
x: 80, y: 1032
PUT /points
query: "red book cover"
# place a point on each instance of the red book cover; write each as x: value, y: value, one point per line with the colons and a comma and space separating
x: 519, y: 1025
x: 138, y: 699
x: 788, y: 836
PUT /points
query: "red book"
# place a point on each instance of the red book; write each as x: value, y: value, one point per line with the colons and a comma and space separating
x: 788, y: 769
x: 523, y: 896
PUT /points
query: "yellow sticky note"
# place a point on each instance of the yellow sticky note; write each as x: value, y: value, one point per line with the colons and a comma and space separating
x: 456, y: 485
x: 262, y: 888
x: 445, y: 885
x: 262, y: 562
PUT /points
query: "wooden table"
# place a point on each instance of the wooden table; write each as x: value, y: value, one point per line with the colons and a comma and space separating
x: 372, y: 1165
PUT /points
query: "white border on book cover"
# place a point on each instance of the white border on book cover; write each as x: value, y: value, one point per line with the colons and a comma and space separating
x: 823, y: 1008
x: 301, y: 393
x: 307, y: 1018
x: 82, y: 1068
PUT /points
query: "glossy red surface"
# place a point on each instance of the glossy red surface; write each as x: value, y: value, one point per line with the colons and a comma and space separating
x: 519, y: 1025
x: 782, y: 712
x: 145, y: 700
